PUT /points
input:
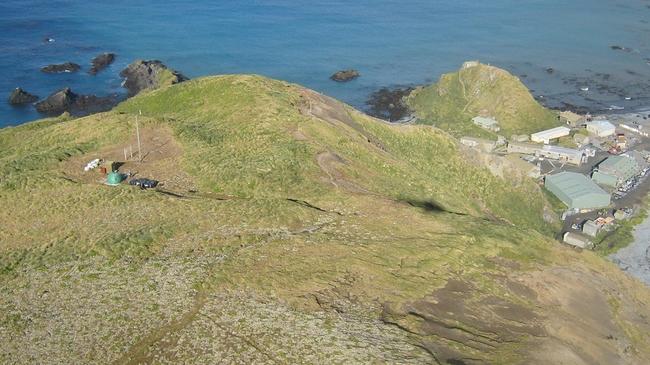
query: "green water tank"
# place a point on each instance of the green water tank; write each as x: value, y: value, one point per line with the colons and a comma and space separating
x: 114, y: 178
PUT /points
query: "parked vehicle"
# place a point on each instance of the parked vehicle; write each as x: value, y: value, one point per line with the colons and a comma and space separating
x: 144, y: 183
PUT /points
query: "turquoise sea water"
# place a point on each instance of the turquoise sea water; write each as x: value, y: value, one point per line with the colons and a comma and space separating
x: 390, y: 42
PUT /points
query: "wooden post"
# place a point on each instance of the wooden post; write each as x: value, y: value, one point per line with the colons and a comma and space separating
x: 131, y: 151
x: 125, y: 159
x: 137, y: 130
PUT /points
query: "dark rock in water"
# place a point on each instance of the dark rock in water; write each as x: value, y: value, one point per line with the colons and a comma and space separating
x: 20, y: 96
x: 64, y: 67
x: 57, y: 103
x: 66, y: 100
x: 620, y: 48
x: 141, y: 75
x: 101, y: 62
x: 550, y: 70
x: 574, y: 108
x: 389, y: 104
x: 90, y: 104
x: 345, y: 75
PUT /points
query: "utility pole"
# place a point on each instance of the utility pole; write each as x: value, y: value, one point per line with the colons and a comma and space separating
x: 137, y: 130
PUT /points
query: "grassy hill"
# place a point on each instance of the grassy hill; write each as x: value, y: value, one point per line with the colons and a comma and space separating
x: 478, y: 89
x: 288, y: 228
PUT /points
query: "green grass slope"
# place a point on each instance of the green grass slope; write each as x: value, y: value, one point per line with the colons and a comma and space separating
x: 288, y: 228
x: 480, y: 89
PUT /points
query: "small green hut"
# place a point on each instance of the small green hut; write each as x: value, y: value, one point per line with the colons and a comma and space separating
x: 114, y: 178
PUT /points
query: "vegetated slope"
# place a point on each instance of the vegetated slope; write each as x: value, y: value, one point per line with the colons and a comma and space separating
x: 478, y: 89
x: 288, y: 228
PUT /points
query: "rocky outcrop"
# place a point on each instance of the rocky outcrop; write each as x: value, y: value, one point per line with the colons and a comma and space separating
x: 345, y: 75
x: 57, y: 102
x: 389, y: 104
x: 66, y: 100
x: 142, y: 75
x: 63, y: 67
x: 20, y: 96
x: 101, y: 62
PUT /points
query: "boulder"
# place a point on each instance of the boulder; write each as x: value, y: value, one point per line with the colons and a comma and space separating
x: 345, y: 75
x: 63, y: 67
x: 142, y: 75
x: 66, y: 100
x: 101, y: 62
x: 20, y: 96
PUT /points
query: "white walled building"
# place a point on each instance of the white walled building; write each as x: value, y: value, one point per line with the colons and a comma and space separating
x: 601, y: 128
x: 549, y: 134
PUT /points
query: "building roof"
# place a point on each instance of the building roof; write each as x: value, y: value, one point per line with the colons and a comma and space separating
x: 552, y: 133
x: 618, y: 164
x: 574, y: 185
x: 563, y: 151
x: 526, y: 145
x: 639, y: 158
x: 601, y: 124
x: 484, y: 121
x: 477, y: 140
x: 571, y: 116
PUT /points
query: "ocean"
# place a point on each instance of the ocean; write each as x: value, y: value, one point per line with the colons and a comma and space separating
x: 391, y: 43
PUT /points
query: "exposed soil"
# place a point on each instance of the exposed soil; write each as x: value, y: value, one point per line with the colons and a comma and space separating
x: 161, y: 156
x: 333, y: 111
x: 461, y: 323
x: 331, y: 164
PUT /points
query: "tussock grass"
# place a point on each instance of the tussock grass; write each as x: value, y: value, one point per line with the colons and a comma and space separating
x: 391, y: 216
x: 457, y: 97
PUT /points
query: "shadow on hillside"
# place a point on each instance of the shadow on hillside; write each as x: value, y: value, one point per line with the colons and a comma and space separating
x: 429, y: 206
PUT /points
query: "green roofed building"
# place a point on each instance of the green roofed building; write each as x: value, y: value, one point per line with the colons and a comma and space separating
x: 114, y: 178
x: 616, y: 170
x: 604, y: 179
x: 577, y: 191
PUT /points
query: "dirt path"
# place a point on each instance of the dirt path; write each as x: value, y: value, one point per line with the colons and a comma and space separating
x: 328, y: 162
x: 138, y: 353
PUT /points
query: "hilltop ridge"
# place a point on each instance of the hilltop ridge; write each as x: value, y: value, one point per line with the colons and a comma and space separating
x: 288, y: 227
x: 480, y: 90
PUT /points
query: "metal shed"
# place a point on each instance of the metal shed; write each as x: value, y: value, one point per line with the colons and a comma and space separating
x: 577, y: 191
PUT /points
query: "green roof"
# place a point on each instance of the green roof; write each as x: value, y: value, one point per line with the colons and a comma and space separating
x: 620, y: 166
x: 604, y: 179
x: 577, y: 190
x: 114, y: 178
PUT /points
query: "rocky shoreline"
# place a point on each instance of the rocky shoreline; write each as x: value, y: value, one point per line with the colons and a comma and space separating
x: 389, y: 104
x: 138, y: 76
x: 635, y: 258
